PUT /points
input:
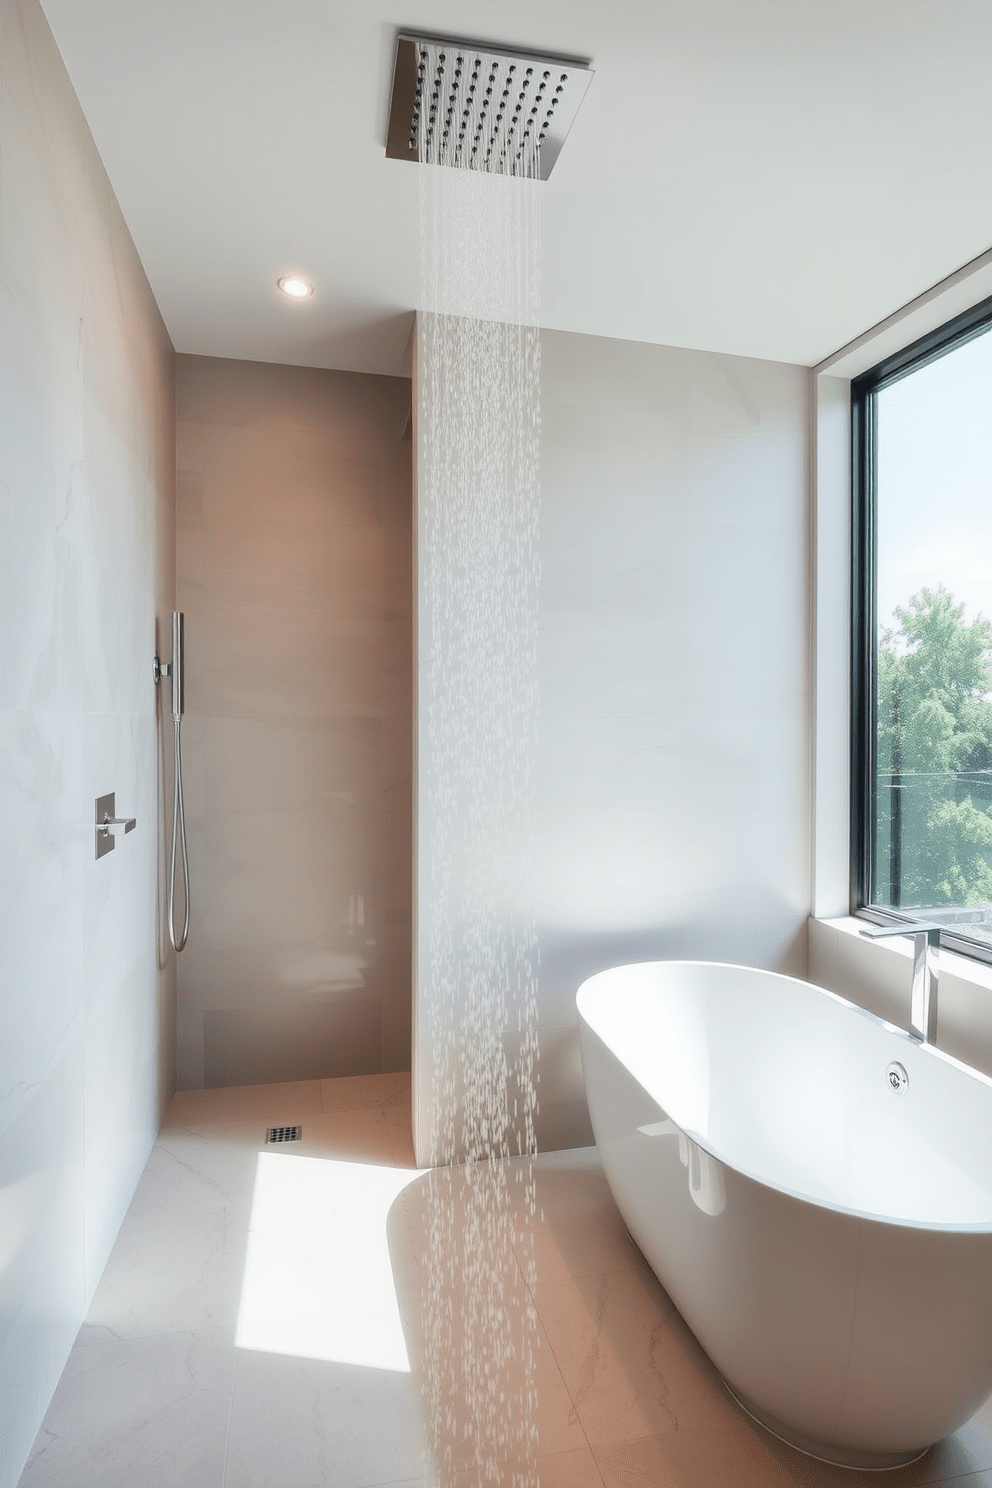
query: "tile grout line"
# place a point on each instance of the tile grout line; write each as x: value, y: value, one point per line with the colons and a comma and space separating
x: 547, y: 1335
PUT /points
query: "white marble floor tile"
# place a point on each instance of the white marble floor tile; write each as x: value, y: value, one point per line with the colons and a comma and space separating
x: 960, y: 1459
x: 374, y: 1133
x: 729, y: 1454
x: 949, y: 1461
x: 486, y: 1362
x: 148, y: 1411
x: 355, y: 1092
x: 576, y: 1469
x: 617, y: 1392
x: 161, y: 1280
x: 573, y: 1159
x: 306, y: 1421
x: 694, y: 1458
x: 199, y: 1173
x: 568, y: 1470
x: 281, y: 1103
x: 404, y: 1256
x: 377, y: 1134
x: 320, y: 1273
x: 967, y: 1451
x: 456, y: 1217
x: 409, y: 1483
x: 194, y: 1170
x: 632, y: 1367
x: 577, y: 1230
x: 736, y: 1452
x: 177, y: 1261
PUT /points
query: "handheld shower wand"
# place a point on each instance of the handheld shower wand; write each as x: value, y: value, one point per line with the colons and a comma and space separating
x: 175, y: 670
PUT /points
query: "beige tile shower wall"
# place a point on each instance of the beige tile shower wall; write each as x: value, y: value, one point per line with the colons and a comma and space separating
x: 87, y: 576
x: 672, y: 765
x: 294, y: 572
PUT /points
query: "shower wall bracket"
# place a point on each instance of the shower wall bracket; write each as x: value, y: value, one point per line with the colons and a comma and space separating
x: 108, y: 825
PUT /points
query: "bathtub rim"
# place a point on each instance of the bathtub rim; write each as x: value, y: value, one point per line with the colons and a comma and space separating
x: 586, y: 991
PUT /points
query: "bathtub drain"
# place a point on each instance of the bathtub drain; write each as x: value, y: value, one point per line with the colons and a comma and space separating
x: 897, y: 1077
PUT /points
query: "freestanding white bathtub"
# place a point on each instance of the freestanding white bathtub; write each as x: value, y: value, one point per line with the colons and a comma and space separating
x: 823, y: 1224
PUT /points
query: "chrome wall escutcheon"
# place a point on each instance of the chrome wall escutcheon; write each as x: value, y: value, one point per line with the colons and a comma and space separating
x: 108, y: 826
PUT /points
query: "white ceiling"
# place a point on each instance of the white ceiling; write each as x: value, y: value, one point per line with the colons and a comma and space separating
x: 761, y: 177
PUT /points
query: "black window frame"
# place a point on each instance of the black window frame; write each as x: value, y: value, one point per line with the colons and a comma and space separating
x: 937, y: 343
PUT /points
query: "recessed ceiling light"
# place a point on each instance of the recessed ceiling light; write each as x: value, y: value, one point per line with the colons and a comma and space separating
x: 295, y: 286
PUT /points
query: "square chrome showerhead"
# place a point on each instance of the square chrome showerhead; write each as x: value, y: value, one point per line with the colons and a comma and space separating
x: 482, y: 107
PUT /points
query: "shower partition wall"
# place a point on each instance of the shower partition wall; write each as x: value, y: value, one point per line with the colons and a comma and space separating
x: 671, y: 785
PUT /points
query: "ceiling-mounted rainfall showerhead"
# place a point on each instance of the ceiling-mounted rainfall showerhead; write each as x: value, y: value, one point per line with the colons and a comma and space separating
x: 479, y: 106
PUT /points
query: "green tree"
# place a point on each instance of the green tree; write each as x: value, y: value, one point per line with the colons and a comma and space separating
x: 934, y: 813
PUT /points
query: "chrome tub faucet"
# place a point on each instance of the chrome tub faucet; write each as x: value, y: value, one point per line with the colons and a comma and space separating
x: 923, y: 1002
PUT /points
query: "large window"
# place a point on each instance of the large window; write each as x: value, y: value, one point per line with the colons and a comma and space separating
x: 922, y: 819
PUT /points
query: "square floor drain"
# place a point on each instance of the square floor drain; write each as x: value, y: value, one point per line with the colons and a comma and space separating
x: 284, y: 1134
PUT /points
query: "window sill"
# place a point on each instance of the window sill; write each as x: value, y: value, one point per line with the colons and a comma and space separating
x: 876, y: 974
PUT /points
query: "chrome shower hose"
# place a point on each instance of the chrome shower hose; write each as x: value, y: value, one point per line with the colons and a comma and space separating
x: 178, y: 834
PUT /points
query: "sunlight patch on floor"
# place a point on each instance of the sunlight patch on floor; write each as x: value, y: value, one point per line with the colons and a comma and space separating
x: 318, y: 1281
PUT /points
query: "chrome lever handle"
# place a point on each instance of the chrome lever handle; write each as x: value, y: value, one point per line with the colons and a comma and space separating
x: 116, y: 826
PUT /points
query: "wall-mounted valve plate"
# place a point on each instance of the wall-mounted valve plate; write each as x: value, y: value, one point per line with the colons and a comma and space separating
x: 108, y: 825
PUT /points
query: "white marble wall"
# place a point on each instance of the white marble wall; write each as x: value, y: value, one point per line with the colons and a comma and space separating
x: 294, y: 572
x: 86, y: 578
x: 673, y: 773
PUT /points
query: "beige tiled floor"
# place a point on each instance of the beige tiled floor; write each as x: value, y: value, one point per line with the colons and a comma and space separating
x: 161, y: 1391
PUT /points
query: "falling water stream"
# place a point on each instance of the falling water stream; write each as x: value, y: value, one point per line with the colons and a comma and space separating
x: 479, y: 430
